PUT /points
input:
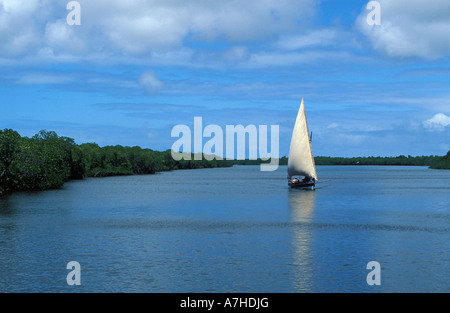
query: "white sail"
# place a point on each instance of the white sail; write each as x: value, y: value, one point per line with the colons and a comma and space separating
x: 301, y: 160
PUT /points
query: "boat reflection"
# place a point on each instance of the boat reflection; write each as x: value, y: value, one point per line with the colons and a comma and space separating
x: 301, y: 207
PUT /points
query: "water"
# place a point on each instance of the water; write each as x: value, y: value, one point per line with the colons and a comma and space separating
x: 232, y: 230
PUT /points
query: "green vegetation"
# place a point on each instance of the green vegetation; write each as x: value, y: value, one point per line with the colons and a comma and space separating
x: 40, y: 162
x: 442, y: 163
x: 47, y: 161
x: 432, y: 161
x: 399, y: 160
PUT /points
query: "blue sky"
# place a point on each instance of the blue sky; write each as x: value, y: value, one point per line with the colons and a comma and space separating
x: 134, y: 69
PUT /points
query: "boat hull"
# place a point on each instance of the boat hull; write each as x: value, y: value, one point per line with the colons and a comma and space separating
x: 311, y: 185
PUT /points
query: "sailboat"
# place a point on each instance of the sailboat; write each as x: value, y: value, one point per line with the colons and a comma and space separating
x: 301, y: 159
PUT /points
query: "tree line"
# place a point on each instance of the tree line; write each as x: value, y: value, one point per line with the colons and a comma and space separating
x: 47, y: 161
x: 398, y: 160
x: 442, y: 163
x: 432, y: 161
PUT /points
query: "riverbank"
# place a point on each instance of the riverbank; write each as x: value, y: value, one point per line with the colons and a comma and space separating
x: 442, y: 163
x: 47, y: 161
x: 432, y: 161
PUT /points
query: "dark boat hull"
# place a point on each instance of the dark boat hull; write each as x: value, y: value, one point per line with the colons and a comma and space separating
x: 303, y: 185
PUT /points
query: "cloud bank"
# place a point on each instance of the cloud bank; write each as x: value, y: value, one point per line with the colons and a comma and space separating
x: 413, y: 28
x: 138, y: 28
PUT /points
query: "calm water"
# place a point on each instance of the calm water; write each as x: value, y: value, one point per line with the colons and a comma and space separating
x: 232, y: 230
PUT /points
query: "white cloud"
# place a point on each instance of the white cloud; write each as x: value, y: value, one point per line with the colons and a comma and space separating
x: 314, y: 38
x: 236, y: 54
x: 136, y: 28
x: 150, y: 82
x: 62, y: 38
x: 333, y: 125
x: 437, y: 122
x: 291, y: 58
x: 19, y: 29
x: 413, y: 28
x: 39, y: 79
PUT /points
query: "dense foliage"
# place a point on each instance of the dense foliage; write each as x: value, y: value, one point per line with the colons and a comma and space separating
x: 47, y: 160
x: 41, y: 162
x: 442, y: 163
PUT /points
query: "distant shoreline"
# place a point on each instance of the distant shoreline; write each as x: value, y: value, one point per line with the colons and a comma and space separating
x: 432, y: 161
x: 47, y: 161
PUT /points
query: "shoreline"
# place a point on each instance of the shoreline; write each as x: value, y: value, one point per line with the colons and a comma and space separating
x: 47, y: 161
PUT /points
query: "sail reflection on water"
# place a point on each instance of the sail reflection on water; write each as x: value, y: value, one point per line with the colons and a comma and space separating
x: 301, y: 206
